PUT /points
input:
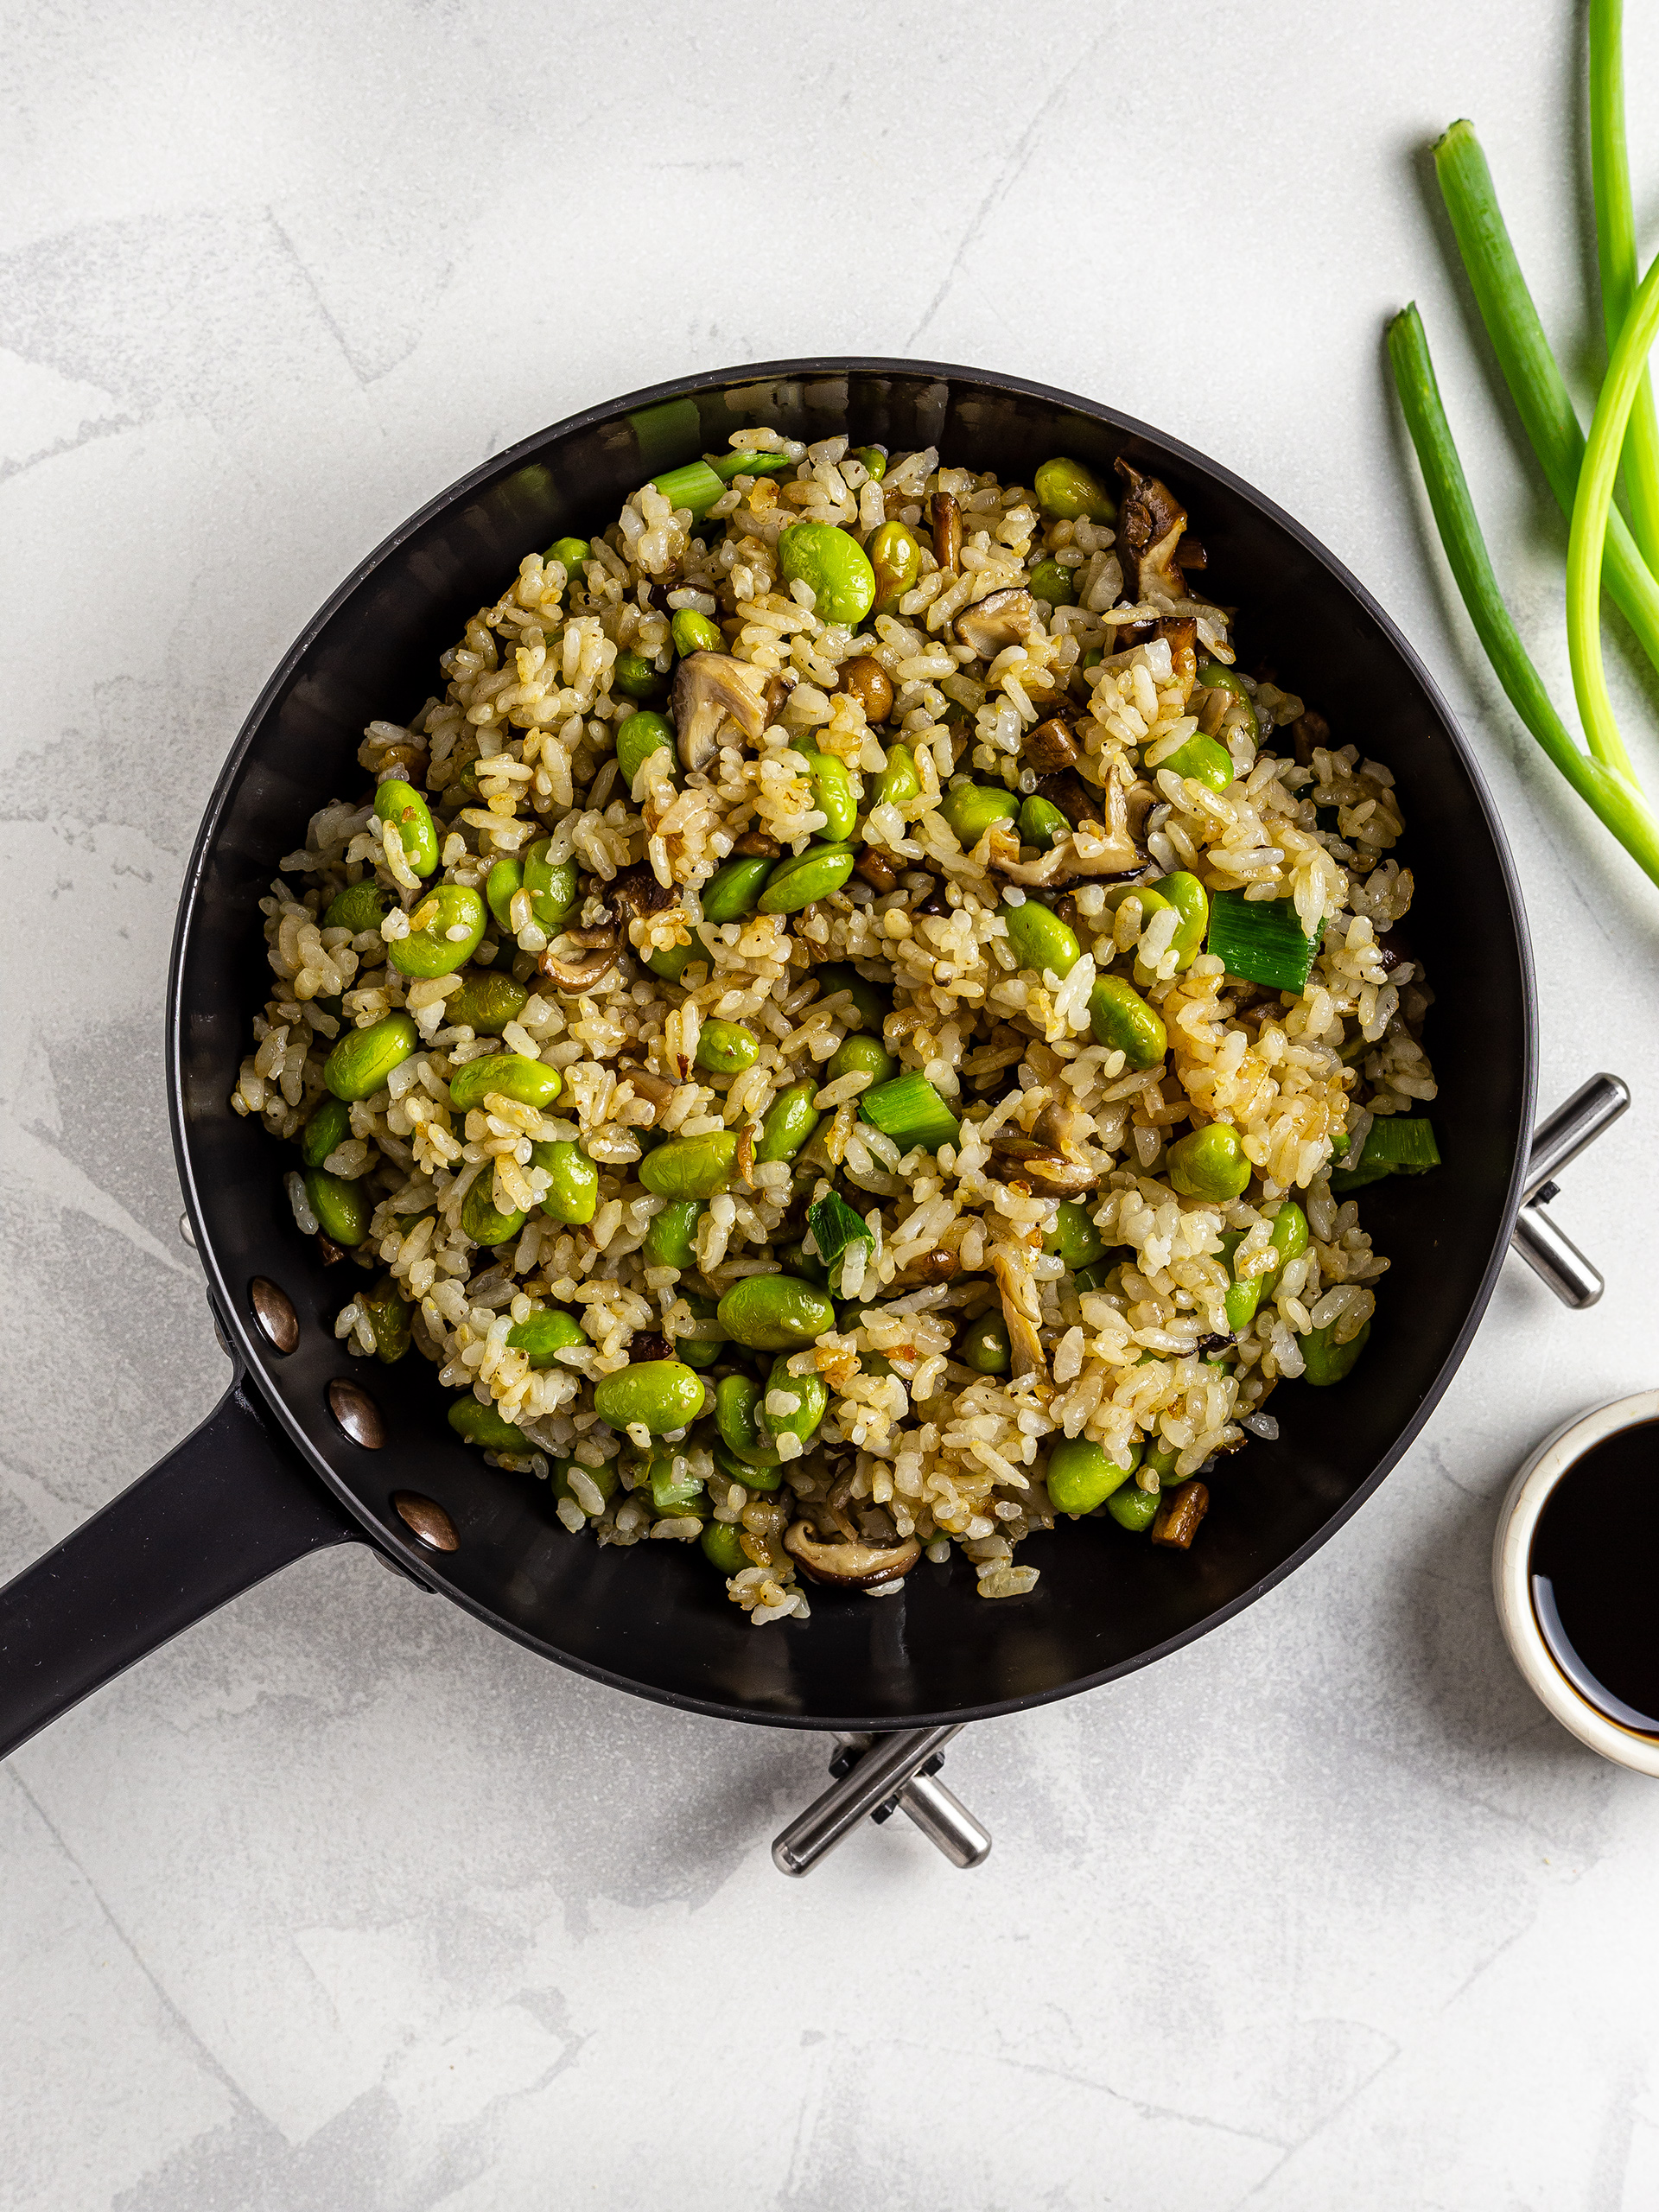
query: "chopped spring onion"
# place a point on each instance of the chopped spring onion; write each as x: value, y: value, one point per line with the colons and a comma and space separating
x: 835, y: 1226
x: 910, y: 1111
x: 726, y: 465
x: 1535, y: 383
x: 696, y: 486
x: 1395, y: 1144
x: 1616, y: 252
x: 1618, y: 803
x: 1262, y: 940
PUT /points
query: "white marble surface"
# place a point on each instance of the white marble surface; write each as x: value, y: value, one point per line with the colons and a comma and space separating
x: 343, y: 1902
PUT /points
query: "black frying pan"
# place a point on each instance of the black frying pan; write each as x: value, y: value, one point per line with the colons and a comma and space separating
x: 271, y: 1475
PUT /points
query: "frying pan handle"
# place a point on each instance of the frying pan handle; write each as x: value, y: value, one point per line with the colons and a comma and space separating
x: 230, y: 1506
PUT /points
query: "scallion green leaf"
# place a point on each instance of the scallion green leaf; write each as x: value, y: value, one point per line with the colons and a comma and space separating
x: 1616, y: 252
x: 1262, y: 940
x: 696, y: 486
x: 835, y: 1226
x: 910, y: 1111
x: 1395, y: 1144
x: 728, y: 466
x: 1619, y: 803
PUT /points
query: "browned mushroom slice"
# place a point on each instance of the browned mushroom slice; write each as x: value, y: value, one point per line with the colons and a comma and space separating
x: 1177, y: 1519
x: 1106, y: 849
x: 1050, y: 747
x: 1078, y: 801
x: 1062, y: 1129
x: 1149, y: 530
x: 707, y: 688
x: 1048, y: 1172
x: 1180, y: 631
x: 575, y: 978
x: 856, y: 1566
x: 1024, y: 1342
x: 756, y: 844
x: 1003, y: 618
x: 637, y: 891
x: 945, y: 516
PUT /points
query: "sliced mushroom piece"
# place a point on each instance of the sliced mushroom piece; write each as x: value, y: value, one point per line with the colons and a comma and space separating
x: 636, y: 891
x: 1177, y: 1519
x: 1062, y: 1129
x: 1107, y: 848
x: 1024, y: 1342
x: 1050, y: 747
x: 1149, y: 530
x: 756, y: 844
x: 849, y: 1566
x: 1066, y: 790
x: 1180, y: 632
x: 1048, y: 1172
x: 707, y: 688
x: 945, y: 516
x: 1003, y: 618
x: 576, y: 978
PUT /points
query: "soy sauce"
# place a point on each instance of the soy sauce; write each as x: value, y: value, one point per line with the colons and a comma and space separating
x: 1595, y: 1577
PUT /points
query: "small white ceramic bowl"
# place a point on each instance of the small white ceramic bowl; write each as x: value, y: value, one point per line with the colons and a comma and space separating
x: 1512, y: 1581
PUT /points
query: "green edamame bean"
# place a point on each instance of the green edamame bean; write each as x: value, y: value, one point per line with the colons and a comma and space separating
x: 874, y: 459
x: 1068, y: 492
x: 363, y: 1058
x: 899, y: 780
x: 400, y: 804
x: 1081, y: 1477
x: 1133, y: 1508
x: 361, y: 906
x: 1289, y: 1242
x: 387, y: 1311
x: 1160, y: 1458
x: 791, y: 1120
x: 1074, y: 1236
x: 341, y: 1208
x: 895, y: 556
x: 433, y: 946
x: 1120, y: 1017
x: 1328, y: 1362
x: 638, y: 737
x: 810, y: 1390
x: 1052, y: 581
x: 722, y: 1546
x: 691, y: 1167
x: 503, y: 880
x: 1209, y: 1163
x: 545, y: 1335
x: 971, y: 808
x: 573, y: 1194
x: 800, y: 881
x: 833, y: 565
x: 482, y: 1221
x: 749, y: 1473
x: 797, y: 1261
x: 551, y: 886
x: 481, y: 1425
x: 1216, y: 676
x: 460, y: 790
x: 776, y: 1313
x: 671, y: 1239
x: 1192, y: 902
x: 485, y: 1003
x: 694, y: 633
x: 731, y: 891
x: 1039, y: 939
x: 672, y: 963
x: 1203, y: 760
x: 833, y: 796
x: 661, y: 1394
x: 1041, y: 822
x: 508, y: 1075
x: 604, y: 1479
x: 328, y: 1129
x: 984, y: 1344
x: 701, y: 1350
x: 635, y: 677
x: 572, y: 554
x: 860, y: 1055
x: 738, y: 1417
x: 871, y: 1005
x: 726, y: 1048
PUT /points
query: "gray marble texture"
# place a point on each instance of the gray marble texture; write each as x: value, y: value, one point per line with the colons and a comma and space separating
x: 342, y: 1901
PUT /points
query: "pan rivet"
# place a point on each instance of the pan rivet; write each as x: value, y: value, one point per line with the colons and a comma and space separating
x: 273, y: 1309
x: 429, y: 1521
x: 356, y: 1413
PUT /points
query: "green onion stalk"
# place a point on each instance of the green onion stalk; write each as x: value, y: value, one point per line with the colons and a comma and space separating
x: 1626, y: 372
x: 1615, y: 798
x: 1616, y: 254
x: 1530, y: 368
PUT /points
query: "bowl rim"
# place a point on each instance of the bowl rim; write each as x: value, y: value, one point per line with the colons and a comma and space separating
x: 231, y: 1306
x: 1535, y: 1484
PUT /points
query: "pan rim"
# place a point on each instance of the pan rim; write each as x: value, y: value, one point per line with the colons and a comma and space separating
x: 251, y: 1354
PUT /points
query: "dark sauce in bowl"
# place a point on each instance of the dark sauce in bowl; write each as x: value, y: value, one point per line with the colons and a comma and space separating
x: 1594, y: 1573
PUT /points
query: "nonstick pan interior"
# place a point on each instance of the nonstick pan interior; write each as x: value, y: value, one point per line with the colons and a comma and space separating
x: 654, y: 1619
